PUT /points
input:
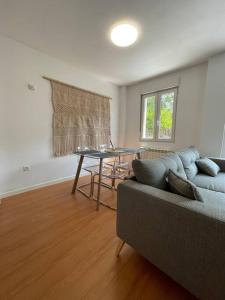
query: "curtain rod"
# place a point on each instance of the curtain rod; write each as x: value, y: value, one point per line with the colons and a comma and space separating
x: 73, y: 86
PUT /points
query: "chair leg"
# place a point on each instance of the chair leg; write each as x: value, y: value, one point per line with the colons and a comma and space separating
x: 92, y: 185
x: 119, y: 247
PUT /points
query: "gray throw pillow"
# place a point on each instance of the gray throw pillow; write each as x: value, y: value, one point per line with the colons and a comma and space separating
x: 181, y: 186
x: 207, y: 166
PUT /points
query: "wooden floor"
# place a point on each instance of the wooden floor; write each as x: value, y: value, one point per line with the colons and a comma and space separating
x: 56, y: 246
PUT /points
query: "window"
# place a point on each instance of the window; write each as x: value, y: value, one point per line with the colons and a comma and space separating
x: 158, y: 112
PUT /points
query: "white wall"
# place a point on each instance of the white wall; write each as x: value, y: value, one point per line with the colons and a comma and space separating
x: 214, y: 108
x: 191, y: 82
x: 122, y: 114
x: 26, y: 116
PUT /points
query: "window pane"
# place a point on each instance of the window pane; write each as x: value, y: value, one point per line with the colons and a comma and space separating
x: 166, y: 116
x: 149, y: 117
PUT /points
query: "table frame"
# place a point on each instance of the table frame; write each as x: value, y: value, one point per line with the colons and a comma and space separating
x: 97, y: 155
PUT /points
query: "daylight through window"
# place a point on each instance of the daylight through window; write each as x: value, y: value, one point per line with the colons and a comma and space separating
x: 158, y: 115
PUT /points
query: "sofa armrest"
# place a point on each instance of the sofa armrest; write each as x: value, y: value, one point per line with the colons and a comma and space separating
x: 220, y: 162
x: 137, y: 201
x: 180, y: 236
x: 131, y: 192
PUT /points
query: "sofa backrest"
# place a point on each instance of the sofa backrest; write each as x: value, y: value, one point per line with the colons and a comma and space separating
x: 154, y: 172
x: 188, y: 158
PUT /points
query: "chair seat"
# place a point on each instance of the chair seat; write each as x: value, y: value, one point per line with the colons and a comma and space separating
x: 116, y: 175
x: 95, y: 169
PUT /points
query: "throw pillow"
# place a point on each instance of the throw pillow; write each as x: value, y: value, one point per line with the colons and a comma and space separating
x: 181, y: 186
x: 208, y: 166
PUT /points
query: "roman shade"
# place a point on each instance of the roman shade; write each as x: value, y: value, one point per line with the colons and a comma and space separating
x: 80, y: 119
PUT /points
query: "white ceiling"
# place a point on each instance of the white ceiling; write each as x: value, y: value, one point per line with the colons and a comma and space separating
x: 175, y: 33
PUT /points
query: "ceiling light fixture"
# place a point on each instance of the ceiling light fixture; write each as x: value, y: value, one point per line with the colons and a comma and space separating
x: 124, y: 35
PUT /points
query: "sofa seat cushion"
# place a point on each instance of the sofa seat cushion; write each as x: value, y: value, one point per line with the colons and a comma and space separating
x: 205, y: 195
x: 188, y: 158
x: 216, y: 183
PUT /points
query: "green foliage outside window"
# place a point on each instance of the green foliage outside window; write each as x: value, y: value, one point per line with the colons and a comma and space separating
x: 150, y: 114
x: 166, y: 114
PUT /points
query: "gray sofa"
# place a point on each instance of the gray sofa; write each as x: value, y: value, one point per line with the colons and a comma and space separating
x: 184, y: 238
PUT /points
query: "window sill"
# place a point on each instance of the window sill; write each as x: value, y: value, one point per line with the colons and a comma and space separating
x: 157, y: 141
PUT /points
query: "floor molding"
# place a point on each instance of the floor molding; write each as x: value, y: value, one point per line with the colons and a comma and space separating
x: 34, y: 187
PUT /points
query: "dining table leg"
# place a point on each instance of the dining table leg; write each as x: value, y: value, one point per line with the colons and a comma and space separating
x: 77, y: 174
x: 99, y: 183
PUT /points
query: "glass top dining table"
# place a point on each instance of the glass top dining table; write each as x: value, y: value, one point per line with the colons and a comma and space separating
x: 109, y: 153
x: 101, y: 155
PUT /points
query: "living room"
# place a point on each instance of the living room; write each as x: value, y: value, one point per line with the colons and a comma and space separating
x: 56, y: 55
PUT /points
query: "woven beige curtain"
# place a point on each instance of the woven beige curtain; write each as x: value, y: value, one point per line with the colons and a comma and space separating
x: 80, y: 119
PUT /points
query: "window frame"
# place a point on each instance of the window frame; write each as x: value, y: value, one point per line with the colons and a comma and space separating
x: 157, y: 95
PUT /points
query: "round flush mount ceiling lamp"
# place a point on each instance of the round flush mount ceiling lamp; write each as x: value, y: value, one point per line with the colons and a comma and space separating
x: 124, y: 34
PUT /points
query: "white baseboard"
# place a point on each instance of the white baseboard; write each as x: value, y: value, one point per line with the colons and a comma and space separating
x: 34, y: 187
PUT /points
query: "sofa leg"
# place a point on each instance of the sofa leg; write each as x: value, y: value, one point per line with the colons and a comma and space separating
x: 119, y: 247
